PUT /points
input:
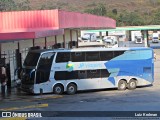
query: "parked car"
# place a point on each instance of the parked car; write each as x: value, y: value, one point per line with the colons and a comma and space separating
x: 89, y: 37
x: 112, y: 40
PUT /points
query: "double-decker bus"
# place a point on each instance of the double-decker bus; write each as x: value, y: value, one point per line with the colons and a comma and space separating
x: 71, y: 70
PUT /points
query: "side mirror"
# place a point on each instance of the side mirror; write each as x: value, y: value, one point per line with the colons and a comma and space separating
x: 32, y: 72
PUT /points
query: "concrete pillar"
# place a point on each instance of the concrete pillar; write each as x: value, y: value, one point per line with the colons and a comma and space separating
x: 45, y: 42
x: 129, y: 35
x: 100, y: 35
x: 145, y: 38
x: 0, y: 58
x: 106, y: 33
x: 71, y: 38
x: 33, y: 42
x: 77, y: 37
x: 64, y: 41
x: 55, y: 39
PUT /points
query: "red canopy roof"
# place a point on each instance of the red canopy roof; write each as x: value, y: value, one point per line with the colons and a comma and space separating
x: 42, y: 23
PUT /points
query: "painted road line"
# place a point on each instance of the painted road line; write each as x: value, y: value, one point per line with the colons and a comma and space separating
x: 24, y: 107
x: 45, y: 98
x: 14, y: 118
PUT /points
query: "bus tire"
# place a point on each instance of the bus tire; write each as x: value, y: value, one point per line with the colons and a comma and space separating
x: 58, y: 89
x: 71, y: 89
x: 122, y: 85
x: 132, y: 84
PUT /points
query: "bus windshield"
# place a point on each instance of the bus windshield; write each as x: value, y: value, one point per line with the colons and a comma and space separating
x: 31, y: 59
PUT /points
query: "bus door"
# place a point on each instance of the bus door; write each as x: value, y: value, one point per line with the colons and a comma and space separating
x: 43, y: 71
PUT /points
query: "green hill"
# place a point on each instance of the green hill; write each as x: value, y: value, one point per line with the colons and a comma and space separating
x: 126, y: 12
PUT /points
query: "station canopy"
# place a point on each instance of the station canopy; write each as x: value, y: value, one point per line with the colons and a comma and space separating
x: 130, y: 28
x: 17, y: 25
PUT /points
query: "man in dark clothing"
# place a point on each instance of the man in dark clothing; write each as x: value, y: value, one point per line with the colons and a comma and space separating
x: 3, y: 80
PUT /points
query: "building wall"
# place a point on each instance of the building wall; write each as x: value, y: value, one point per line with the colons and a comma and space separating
x: 10, y: 50
x: 39, y: 42
x: 50, y: 41
x: 68, y: 36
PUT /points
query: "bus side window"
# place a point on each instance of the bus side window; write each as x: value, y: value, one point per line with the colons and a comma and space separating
x: 92, y: 56
x: 104, y: 73
x: 118, y: 53
x: 60, y: 75
x: 63, y: 57
x: 93, y: 73
x: 77, y: 56
x: 82, y: 74
x: 106, y: 55
x: 65, y: 75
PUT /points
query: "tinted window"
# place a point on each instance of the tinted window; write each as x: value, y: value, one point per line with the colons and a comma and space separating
x: 117, y: 53
x: 82, y: 74
x: 60, y: 75
x: 106, y: 55
x: 93, y: 73
x: 45, y: 61
x: 77, y: 56
x: 63, y: 57
x: 65, y: 75
x: 44, y: 67
x: 31, y: 59
x: 92, y: 56
x: 104, y: 73
x: 72, y: 75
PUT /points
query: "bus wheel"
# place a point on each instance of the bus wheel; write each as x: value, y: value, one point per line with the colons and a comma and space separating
x: 58, y: 89
x: 71, y: 89
x: 132, y: 84
x: 122, y: 85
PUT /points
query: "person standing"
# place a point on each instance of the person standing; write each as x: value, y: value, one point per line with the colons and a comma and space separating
x: 3, y: 79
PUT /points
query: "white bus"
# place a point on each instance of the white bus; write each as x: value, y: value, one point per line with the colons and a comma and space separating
x: 71, y: 70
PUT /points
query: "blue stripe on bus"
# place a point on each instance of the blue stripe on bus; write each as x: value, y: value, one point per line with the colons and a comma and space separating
x: 131, y: 64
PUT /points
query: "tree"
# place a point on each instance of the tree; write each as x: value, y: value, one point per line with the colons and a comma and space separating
x: 156, y: 18
x: 114, y: 11
x: 10, y: 5
x: 25, y: 5
x: 99, y: 10
x: 7, y: 5
x: 130, y: 19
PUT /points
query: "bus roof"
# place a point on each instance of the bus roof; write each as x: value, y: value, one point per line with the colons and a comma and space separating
x: 90, y: 49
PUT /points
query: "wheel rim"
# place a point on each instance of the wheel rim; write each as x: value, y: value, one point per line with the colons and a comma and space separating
x: 71, y: 89
x: 132, y: 84
x: 58, y: 89
x: 122, y: 85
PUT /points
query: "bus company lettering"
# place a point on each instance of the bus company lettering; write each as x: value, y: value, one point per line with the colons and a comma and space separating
x: 90, y: 65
